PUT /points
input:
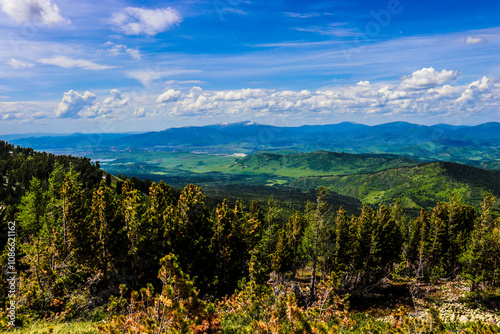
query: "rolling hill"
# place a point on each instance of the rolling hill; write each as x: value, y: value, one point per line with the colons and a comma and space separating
x: 316, y: 163
x: 417, y: 186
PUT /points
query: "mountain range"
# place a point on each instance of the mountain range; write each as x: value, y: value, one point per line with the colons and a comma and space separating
x: 473, y: 145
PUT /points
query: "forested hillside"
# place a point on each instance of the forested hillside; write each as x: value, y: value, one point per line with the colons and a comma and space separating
x: 19, y: 165
x: 416, y: 186
x: 163, y: 262
x: 317, y: 163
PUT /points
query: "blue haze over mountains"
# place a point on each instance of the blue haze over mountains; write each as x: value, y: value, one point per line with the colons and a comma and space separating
x: 467, y: 144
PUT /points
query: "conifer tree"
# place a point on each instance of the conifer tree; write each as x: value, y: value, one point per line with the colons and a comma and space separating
x: 108, y: 225
x: 133, y: 214
x: 481, y: 258
x: 195, y: 229
x: 318, y: 234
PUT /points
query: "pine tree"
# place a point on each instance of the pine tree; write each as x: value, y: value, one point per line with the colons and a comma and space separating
x: 481, y: 258
x: 195, y: 229
x: 30, y: 217
x: 318, y: 234
x: 78, y: 236
x: 133, y: 212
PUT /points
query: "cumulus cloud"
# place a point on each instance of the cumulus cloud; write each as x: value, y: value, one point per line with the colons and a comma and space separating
x: 242, y: 94
x: 139, y: 112
x: 427, y: 78
x: 116, y: 49
x: 108, y: 106
x: 116, y: 99
x: 142, y: 21
x: 423, y: 92
x: 36, y: 11
x: 474, y: 40
x: 73, y: 103
x: 474, y: 92
x: 169, y: 96
x: 19, y: 64
x: 67, y: 62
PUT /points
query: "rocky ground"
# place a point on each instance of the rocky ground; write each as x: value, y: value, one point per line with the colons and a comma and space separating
x: 450, y: 299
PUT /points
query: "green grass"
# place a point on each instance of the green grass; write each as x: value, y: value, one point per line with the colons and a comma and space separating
x: 42, y: 327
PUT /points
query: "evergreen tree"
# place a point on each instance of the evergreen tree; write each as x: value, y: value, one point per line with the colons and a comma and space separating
x: 481, y: 258
x: 195, y: 230
x: 318, y: 235
x: 133, y: 212
x: 108, y: 225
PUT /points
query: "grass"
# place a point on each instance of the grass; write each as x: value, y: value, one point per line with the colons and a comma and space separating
x: 43, y: 327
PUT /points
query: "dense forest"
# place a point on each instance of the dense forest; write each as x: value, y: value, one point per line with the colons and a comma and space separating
x: 141, y: 257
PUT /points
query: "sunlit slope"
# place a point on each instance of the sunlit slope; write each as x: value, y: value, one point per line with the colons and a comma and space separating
x: 317, y: 163
x: 416, y: 186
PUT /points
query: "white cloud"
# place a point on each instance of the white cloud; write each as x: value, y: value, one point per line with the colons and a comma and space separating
x: 150, y: 76
x: 169, y: 96
x: 183, y: 82
x: 73, y: 104
x: 40, y: 115
x: 142, y: 21
x: 362, y: 99
x: 139, y: 112
x: 474, y: 92
x: 116, y: 49
x: 66, y: 62
x: 19, y: 64
x: 427, y: 78
x: 12, y: 116
x: 301, y: 15
x: 35, y: 11
x: 242, y: 94
x: 116, y: 99
x: 108, y: 106
x: 474, y: 40
x: 445, y: 91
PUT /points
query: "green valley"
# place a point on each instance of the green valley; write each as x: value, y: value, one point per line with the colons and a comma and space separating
x: 373, y: 179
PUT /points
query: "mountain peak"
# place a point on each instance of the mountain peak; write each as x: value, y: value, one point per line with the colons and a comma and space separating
x: 243, y: 123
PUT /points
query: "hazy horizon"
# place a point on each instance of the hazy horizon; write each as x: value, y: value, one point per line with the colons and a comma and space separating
x: 232, y: 123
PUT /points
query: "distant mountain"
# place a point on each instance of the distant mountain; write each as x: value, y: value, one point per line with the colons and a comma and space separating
x: 473, y: 145
x: 75, y: 141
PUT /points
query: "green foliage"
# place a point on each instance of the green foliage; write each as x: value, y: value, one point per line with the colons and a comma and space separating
x: 79, y: 254
x: 481, y: 259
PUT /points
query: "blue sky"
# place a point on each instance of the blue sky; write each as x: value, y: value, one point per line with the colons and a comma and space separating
x: 115, y: 66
